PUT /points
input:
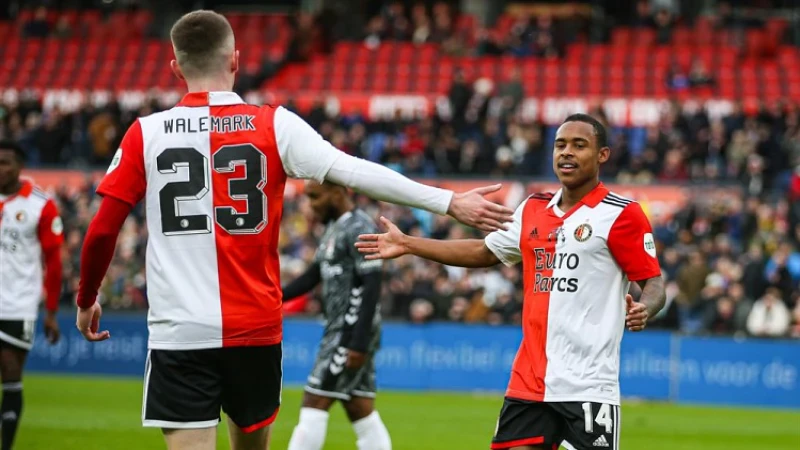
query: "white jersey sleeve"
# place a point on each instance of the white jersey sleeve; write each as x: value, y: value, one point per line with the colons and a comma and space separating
x: 306, y: 155
x: 505, y: 243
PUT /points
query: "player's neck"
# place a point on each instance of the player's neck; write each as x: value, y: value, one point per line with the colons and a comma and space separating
x: 209, y: 85
x: 344, y: 209
x: 571, y: 196
x: 11, y: 188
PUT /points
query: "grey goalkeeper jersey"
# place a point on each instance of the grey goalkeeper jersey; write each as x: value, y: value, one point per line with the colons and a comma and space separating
x: 341, y: 268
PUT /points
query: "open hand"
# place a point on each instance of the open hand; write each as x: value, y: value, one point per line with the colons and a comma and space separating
x: 636, y: 314
x: 471, y: 208
x: 88, y: 323
x: 388, y: 245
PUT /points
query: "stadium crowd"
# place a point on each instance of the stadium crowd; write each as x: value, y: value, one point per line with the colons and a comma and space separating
x: 733, y: 265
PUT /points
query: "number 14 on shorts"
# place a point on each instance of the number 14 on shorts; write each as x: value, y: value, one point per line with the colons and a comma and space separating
x: 603, y: 417
x: 601, y: 424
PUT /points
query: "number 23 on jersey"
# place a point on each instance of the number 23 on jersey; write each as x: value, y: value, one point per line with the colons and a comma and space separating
x: 251, y: 218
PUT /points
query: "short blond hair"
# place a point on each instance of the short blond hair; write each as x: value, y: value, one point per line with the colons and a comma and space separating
x: 203, y: 41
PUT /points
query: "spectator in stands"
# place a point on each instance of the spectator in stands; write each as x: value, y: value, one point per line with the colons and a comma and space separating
x: 38, y: 26
x: 795, y: 330
x: 644, y: 15
x: 753, y: 179
x: 443, y: 26
x: 63, y: 29
x: 664, y: 22
x: 421, y: 311
x: 723, y: 16
x: 783, y: 270
x: 699, y: 75
x: 544, y: 46
x: 397, y: 26
x: 742, y: 306
x: 721, y: 317
x: 674, y: 168
x: 488, y: 44
x: 458, y: 309
x: 769, y: 316
x: 459, y: 96
x: 677, y: 78
x: 691, y: 281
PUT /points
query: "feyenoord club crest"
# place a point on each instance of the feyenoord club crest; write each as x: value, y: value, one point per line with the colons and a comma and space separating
x: 583, y: 232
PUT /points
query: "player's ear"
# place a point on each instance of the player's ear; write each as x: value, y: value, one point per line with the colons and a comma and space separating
x: 603, y: 155
x: 235, y: 62
x: 176, y: 69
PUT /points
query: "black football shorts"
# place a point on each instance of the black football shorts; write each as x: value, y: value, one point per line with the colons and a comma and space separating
x: 576, y: 425
x: 187, y: 388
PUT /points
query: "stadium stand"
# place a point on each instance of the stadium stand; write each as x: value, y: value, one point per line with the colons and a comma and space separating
x: 720, y: 103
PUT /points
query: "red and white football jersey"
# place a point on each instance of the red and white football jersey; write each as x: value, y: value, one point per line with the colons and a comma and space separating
x: 212, y: 172
x: 29, y: 223
x: 577, y: 268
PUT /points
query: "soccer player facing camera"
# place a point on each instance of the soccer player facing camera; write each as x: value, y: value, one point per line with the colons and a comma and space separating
x: 581, y: 247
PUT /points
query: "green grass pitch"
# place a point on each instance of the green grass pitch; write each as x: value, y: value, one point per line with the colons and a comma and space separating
x: 93, y: 413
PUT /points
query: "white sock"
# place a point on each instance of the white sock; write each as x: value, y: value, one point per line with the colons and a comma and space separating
x: 372, y: 433
x: 309, y: 434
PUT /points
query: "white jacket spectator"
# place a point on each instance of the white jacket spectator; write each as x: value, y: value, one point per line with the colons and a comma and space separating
x: 769, y: 316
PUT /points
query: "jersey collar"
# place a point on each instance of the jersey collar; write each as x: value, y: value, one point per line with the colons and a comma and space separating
x: 217, y: 98
x: 592, y: 199
x: 24, y: 191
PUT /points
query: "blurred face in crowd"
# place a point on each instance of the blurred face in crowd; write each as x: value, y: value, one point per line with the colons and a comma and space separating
x: 327, y: 200
x: 725, y: 307
x: 10, y: 167
x: 576, y: 156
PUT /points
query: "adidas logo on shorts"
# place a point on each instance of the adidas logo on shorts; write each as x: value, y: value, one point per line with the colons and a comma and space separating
x: 600, y: 442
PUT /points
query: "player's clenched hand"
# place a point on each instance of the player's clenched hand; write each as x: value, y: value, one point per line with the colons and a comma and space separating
x: 383, y: 246
x: 89, y: 322
x: 355, y: 359
x: 636, y: 316
x: 51, y: 330
x: 471, y: 208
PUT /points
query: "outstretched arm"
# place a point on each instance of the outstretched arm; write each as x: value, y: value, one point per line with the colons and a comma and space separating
x: 305, y: 154
x: 302, y: 284
x: 393, y: 243
x: 384, y: 184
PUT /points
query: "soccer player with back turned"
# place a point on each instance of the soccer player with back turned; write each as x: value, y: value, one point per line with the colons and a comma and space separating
x: 580, y: 248
x: 212, y: 171
x: 351, y: 288
x: 30, y: 232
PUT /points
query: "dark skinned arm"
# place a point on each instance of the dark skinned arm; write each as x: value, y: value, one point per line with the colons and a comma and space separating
x: 302, y: 284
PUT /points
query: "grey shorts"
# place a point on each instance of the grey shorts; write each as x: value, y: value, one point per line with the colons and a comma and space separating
x: 330, y: 377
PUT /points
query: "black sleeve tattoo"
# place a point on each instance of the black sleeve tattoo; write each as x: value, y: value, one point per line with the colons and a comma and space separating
x: 654, y: 295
